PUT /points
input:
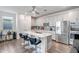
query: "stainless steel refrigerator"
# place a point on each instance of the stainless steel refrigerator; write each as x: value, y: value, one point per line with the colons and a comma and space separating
x: 63, y: 31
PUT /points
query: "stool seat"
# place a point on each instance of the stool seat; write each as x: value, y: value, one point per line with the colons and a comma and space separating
x: 20, y: 34
x: 26, y: 38
x: 35, y: 42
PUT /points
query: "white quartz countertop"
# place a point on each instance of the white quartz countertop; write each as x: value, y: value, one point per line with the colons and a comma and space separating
x: 45, y: 31
x: 38, y: 34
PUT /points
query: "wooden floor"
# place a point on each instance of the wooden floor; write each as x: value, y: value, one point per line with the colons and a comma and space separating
x: 61, y: 48
x: 14, y: 46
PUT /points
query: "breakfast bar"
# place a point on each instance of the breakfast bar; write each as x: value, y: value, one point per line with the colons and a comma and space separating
x: 46, y: 39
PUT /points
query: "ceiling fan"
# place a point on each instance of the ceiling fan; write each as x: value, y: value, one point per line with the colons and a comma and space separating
x: 34, y: 10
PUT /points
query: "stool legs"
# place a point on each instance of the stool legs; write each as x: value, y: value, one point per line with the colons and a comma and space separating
x: 27, y: 45
x: 22, y: 42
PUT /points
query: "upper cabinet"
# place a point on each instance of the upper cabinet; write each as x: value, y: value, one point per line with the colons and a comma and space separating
x: 24, y: 23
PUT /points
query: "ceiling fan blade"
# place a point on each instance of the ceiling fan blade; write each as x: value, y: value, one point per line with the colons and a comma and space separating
x: 33, y: 8
x: 37, y: 12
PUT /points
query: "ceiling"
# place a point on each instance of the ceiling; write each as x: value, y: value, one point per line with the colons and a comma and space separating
x: 43, y: 10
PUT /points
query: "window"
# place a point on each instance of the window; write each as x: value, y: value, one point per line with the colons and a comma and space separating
x: 7, y: 23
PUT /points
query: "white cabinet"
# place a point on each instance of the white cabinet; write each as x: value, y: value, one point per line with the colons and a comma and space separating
x: 53, y: 34
x: 24, y: 23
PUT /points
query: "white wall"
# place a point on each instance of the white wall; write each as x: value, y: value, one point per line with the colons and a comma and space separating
x: 70, y: 15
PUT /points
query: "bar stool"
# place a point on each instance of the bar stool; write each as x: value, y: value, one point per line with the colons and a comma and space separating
x: 35, y: 42
x: 27, y: 41
x: 22, y: 37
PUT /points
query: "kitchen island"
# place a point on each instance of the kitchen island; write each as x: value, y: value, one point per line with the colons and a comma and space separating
x: 46, y: 39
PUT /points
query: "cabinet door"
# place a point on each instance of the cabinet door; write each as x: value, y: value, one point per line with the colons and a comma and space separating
x: 58, y: 27
x: 63, y: 39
